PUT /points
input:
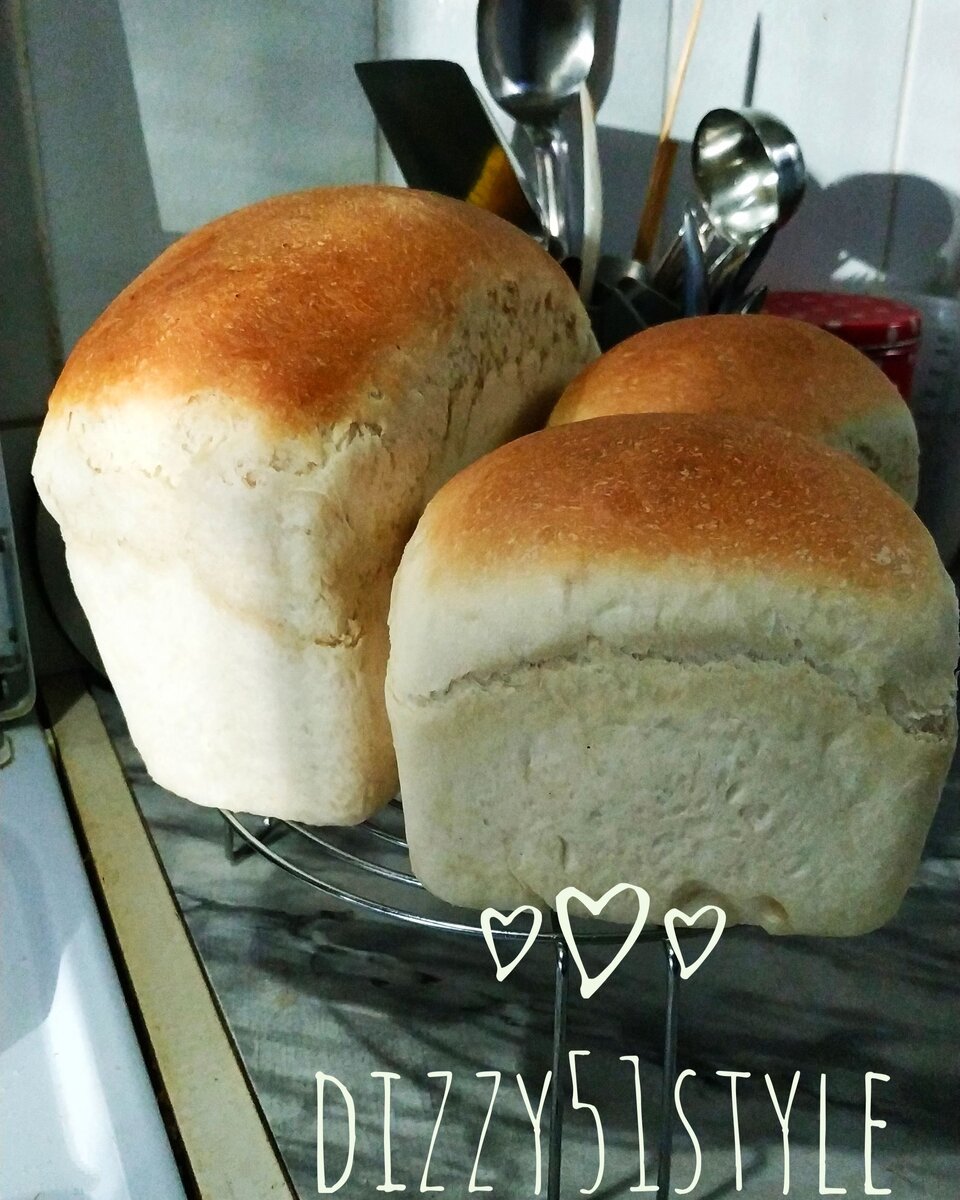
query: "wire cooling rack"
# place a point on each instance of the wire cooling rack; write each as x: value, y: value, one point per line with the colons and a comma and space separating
x: 368, y: 867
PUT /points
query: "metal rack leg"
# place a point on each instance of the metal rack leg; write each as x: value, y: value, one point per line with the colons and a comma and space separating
x: 235, y: 849
x: 669, y: 1074
x: 561, y: 987
x: 229, y: 842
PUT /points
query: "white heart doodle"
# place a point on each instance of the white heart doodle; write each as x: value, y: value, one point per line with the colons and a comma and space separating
x: 675, y: 915
x: 590, y: 985
x: 487, y: 916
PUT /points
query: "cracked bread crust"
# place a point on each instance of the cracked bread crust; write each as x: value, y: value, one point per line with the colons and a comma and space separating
x: 235, y: 475
x: 600, y: 672
x: 764, y: 367
x: 684, y: 534
x: 890, y: 702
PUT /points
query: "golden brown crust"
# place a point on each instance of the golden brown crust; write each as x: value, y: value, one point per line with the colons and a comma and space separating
x: 721, y: 491
x: 286, y: 305
x: 772, y: 368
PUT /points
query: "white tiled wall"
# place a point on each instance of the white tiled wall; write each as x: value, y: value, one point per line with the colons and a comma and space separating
x: 99, y: 208
x: 281, y: 107
x: 833, y: 71
x: 870, y: 87
x: 152, y: 118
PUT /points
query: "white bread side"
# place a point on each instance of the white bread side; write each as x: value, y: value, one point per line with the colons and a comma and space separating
x: 234, y: 499
x: 699, y: 654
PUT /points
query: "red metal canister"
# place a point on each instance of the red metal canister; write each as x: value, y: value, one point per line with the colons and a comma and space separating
x: 887, y: 331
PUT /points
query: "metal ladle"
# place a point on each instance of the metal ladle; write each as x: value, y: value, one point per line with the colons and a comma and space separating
x: 534, y: 55
x: 749, y: 172
x: 751, y: 177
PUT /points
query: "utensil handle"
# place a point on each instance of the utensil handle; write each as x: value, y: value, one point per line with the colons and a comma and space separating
x: 755, y: 301
x: 668, y: 275
x: 656, y: 200
x: 737, y: 281
x: 550, y: 156
x: 695, y: 295
x: 592, y: 197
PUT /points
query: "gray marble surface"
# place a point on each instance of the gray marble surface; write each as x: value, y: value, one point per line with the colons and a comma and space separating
x: 307, y: 984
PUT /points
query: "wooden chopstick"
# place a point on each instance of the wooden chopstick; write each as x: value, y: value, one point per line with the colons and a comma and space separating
x: 659, y: 182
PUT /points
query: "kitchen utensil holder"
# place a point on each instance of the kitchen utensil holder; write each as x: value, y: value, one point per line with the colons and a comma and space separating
x: 382, y: 836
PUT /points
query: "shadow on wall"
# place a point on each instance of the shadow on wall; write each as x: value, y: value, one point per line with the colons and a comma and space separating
x: 275, y: 108
x: 102, y: 221
x: 103, y: 211
x: 156, y: 118
x: 835, y: 235
x: 842, y: 235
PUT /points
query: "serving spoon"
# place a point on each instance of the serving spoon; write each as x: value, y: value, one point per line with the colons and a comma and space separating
x: 535, y: 55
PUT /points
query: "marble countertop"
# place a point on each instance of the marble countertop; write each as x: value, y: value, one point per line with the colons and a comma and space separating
x: 308, y: 985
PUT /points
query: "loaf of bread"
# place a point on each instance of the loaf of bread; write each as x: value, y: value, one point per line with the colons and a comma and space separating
x: 769, y: 368
x: 238, y: 449
x: 696, y: 653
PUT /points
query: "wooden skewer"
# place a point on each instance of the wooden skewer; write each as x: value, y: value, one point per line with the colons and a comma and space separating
x: 662, y: 169
x: 670, y: 110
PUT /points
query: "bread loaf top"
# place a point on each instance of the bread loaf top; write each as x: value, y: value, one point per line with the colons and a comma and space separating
x: 775, y: 368
x: 686, y: 536
x: 646, y: 489
x: 290, y: 306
